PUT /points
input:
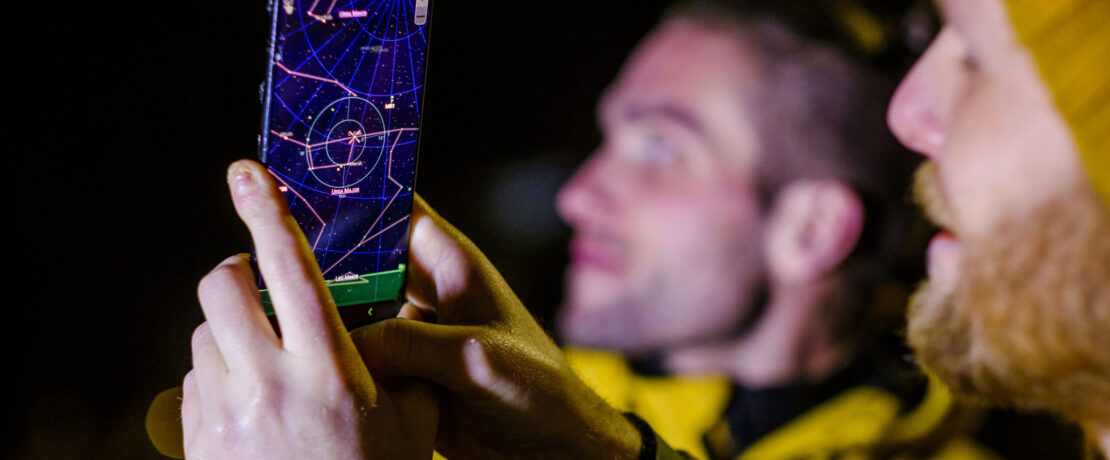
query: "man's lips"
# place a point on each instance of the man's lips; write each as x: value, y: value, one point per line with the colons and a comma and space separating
x: 594, y: 254
x: 944, y: 259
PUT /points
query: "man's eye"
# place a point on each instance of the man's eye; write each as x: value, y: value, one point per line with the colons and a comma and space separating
x: 658, y: 150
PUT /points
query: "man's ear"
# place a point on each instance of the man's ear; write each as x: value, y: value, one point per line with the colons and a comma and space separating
x: 813, y: 227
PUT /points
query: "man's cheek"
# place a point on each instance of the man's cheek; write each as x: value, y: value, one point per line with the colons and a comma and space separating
x: 664, y: 229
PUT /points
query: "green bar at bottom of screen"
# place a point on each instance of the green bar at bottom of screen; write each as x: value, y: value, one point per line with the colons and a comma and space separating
x: 352, y: 289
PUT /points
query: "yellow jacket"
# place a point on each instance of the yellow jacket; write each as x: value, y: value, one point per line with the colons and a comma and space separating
x: 861, y: 423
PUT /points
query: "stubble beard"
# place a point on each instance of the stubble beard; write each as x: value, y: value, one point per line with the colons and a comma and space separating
x: 1028, y: 322
x: 617, y: 325
x: 662, y: 311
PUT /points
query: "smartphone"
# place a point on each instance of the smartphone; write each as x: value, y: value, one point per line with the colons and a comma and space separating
x: 342, y: 104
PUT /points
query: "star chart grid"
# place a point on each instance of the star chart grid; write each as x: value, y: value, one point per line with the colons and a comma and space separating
x: 341, y: 130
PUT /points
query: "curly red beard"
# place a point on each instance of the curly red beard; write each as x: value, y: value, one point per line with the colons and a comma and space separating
x: 1028, y: 323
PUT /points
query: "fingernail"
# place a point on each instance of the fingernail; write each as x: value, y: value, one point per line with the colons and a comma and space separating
x: 240, y: 178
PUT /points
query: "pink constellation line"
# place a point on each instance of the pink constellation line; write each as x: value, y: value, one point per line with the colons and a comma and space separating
x: 314, y: 77
x: 321, y: 17
x: 352, y: 139
x: 323, y: 223
x: 342, y: 139
x: 365, y: 241
x: 337, y: 166
x: 367, y: 237
x: 351, y: 151
x: 350, y: 156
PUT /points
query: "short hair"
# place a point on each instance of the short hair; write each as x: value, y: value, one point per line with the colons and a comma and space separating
x: 821, y: 113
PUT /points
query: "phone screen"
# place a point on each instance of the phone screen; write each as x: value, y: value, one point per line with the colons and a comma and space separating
x: 342, y: 103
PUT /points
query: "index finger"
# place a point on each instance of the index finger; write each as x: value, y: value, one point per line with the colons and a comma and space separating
x: 302, y: 302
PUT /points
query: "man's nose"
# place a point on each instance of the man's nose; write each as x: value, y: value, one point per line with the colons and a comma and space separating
x: 919, y: 112
x: 913, y: 116
x: 584, y: 197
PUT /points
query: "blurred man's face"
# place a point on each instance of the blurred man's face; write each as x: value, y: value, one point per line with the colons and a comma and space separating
x: 667, y: 228
x: 1017, y: 306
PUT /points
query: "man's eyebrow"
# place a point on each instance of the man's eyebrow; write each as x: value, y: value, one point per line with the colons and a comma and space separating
x: 668, y: 111
x: 938, y: 5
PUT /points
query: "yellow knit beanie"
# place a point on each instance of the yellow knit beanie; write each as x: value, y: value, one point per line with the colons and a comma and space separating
x: 1070, y: 40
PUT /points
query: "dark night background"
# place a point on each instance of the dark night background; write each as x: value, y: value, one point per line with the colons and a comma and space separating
x: 127, y: 114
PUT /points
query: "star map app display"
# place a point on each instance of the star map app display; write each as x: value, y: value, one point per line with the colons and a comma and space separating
x: 342, y: 103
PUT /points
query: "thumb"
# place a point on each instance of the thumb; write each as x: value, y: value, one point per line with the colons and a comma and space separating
x: 454, y: 357
x: 405, y: 348
x: 448, y: 270
x: 438, y: 265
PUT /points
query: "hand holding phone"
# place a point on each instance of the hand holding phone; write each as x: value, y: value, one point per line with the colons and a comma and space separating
x: 509, y: 391
x: 307, y: 394
x: 342, y: 101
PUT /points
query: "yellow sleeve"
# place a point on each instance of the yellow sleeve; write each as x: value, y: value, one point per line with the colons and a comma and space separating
x: 680, y: 410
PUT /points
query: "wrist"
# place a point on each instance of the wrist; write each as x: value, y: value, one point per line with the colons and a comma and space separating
x: 649, y: 447
x: 607, y: 433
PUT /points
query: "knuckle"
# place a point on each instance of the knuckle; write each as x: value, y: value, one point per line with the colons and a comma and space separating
x: 189, y: 388
x: 479, y: 346
x: 478, y: 362
x: 476, y: 342
x: 334, y: 388
x: 262, y: 388
x: 217, y: 281
x: 256, y: 398
x: 482, y: 339
x: 201, y: 336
